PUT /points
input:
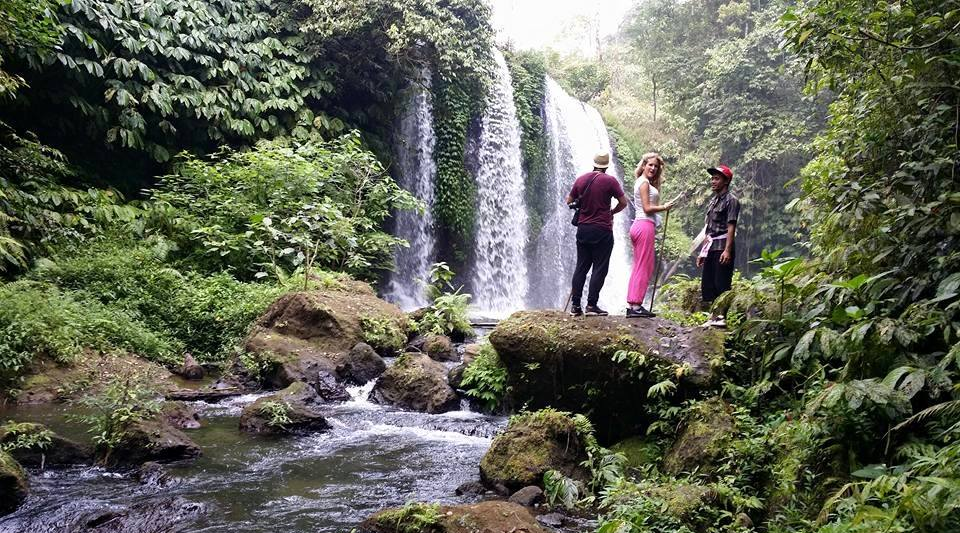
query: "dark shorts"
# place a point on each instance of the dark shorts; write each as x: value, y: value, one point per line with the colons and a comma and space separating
x: 717, y: 278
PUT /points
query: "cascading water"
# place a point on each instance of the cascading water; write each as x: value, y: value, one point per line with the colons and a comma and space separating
x: 575, y: 132
x: 499, y: 274
x: 415, y: 172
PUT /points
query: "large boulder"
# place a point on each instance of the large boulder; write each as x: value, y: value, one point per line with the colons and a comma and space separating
x: 13, y: 484
x: 491, y: 516
x: 180, y: 415
x: 291, y: 410
x: 35, y: 446
x: 418, y: 383
x: 568, y: 363
x: 154, y: 439
x: 190, y: 369
x: 305, y: 333
x: 532, y: 444
x: 707, y: 429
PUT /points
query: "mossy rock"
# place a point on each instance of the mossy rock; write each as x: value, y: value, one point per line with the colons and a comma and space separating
x: 48, y: 449
x: 296, y: 405
x: 683, y: 501
x: 567, y: 363
x: 418, y: 383
x: 707, y: 430
x: 439, y: 348
x: 304, y: 333
x: 154, y: 439
x: 13, y: 484
x: 490, y: 516
x: 801, y: 464
x: 532, y: 444
x: 50, y: 381
x: 639, y: 451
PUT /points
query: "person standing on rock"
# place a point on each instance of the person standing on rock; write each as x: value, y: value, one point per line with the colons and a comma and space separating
x: 718, y: 252
x: 591, y: 195
x: 646, y: 201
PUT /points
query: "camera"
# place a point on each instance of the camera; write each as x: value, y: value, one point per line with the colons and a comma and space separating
x: 574, y: 204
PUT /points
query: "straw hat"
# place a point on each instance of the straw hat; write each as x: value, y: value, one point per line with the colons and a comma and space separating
x: 601, y: 160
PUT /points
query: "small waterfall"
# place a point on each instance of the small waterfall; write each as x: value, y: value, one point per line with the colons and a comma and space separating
x: 576, y: 132
x: 415, y: 172
x: 499, y: 274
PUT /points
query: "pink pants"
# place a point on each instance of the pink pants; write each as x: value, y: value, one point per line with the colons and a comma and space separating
x: 643, y: 236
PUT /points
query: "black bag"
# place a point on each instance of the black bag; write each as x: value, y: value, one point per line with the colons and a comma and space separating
x: 575, y: 204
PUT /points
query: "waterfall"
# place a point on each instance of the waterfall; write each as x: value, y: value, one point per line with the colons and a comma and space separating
x: 415, y: 171
x: 575, y: 133
x: 499, y: 275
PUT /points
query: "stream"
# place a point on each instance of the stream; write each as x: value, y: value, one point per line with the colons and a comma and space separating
x: 374, y: 457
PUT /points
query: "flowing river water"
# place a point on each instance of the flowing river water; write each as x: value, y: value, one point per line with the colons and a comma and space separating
x: 374, y: 457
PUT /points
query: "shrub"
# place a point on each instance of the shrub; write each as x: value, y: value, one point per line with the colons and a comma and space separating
x: 412, y: 518
x: 111, y: 412
x: 280, y: 207
x: 39, y: 319
x: 277, y: 414
x: 485, y: 378
x: 383, y: 333
x: 207, y: 315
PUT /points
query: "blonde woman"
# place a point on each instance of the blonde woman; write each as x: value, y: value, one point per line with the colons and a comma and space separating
x: 646, y: 194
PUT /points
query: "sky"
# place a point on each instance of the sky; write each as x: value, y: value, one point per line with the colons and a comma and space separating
x: 548, y: 23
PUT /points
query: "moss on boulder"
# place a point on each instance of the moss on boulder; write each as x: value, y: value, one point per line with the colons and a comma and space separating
x: 291, y: 410
x: 13, y: 484
x: 639, y: 451
x: 154, y: 439
x: 418, y: 383
x: 439, y: 348
x: 34, y: 445
x: 706, y: 432
x: 567, y: 363
x: 532, y: 444
x: 304, y: 333
x: 491, y: 516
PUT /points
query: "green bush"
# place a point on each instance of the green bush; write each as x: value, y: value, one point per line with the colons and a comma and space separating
x: 39, y: 319
x: 281, y: 207
x: 110, y: 413
x: 485, y: 378
x: 207, y: 315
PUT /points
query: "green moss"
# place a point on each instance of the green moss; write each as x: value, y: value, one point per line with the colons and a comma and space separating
x: 412, y: 518
x: 709, y: 428
x: 384, y: 332
x: 639, y: 451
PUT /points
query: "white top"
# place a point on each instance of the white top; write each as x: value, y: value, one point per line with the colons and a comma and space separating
x: 638, y: 202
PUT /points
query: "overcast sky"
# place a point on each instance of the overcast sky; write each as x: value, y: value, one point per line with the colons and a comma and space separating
x: 548, y: 23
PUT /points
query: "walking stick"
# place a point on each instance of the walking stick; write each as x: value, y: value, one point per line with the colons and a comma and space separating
x: 656, y: 275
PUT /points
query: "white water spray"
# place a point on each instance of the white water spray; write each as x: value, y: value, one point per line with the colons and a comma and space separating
x: 499, y: 277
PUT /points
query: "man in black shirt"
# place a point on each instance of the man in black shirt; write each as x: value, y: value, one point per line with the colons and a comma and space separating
x: 719, y: 250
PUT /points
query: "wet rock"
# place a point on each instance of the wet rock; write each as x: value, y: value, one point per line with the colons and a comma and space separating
x: 54, y: 451
x: 13, y: 484
x: 418, y: 383
x: 491, y: 516
x: 154, y: 439
x: 329, y: 390
x: 471, y: 488
x: 360, y: 365
x: 180, y: 415
x: 567, y: 363
x: 290, y: 410
x: 527, y: 496
x: 155, y: 515
x: 153, y: 474
x: 470, y: 352
x: 190, y: 369
x: 416, y: 344
x: 306, y: 332
x: 202, y: 395
x: 440, y: 348
x: 702, y: 439
x: 532, y: 444
x: 455, y: 376
x: 551, y: 519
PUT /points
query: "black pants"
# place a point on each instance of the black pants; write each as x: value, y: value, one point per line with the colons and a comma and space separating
x: 594, y: 245
x: 716, y: 277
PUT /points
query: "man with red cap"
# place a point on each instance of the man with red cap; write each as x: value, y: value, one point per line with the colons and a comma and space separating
x: 718, y: 252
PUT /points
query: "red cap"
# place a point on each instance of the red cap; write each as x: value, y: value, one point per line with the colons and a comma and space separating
x: 723, y: 170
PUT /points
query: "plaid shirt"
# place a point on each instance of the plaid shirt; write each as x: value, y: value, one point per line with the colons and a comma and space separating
x: 723, y: 209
